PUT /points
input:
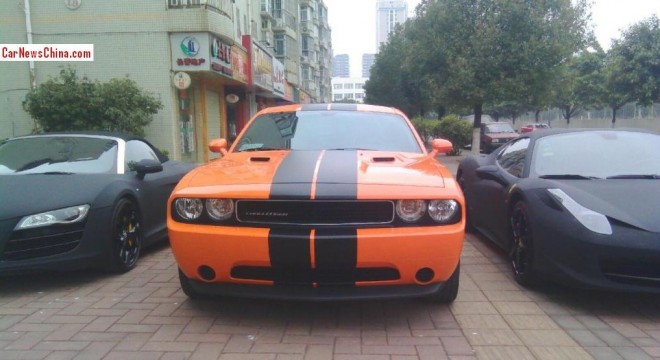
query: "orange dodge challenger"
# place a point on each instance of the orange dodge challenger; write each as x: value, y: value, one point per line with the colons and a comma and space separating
x: 320, y: 202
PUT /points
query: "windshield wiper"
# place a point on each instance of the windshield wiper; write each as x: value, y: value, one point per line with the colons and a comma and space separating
x: 568, y: 177
x: 52, y: 173
x: 641, y: 176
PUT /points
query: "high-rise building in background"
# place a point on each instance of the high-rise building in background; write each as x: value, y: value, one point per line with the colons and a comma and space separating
x: 367, y: 62
x: 389, y: 13
x: 340, y: 66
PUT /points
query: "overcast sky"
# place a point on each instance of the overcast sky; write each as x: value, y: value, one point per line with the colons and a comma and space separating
x: 353, y: 23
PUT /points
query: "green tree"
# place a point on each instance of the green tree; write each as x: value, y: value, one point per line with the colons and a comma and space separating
x: 633, y: 66
x: 580, y: 83
x: 490, y: 51
x: 69, y: 102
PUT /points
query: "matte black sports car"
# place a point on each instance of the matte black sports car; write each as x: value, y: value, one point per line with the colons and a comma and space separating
x: 80, y: 200
x: 580, y: 207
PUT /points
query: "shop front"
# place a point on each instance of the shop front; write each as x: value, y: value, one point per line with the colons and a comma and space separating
x: 214, y: 103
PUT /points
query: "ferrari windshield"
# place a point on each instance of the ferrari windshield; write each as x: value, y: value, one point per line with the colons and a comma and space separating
x: 326, y: 130
x: 598, y: 154
x: 58, y: 155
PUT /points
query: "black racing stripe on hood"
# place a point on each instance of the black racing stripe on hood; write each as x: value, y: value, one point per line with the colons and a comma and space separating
x: 337, y: 177
x: 344, y: 107
x: 293, y: 177
x: 290, y: 256
x: 314, y: 107
x: 335, y: 254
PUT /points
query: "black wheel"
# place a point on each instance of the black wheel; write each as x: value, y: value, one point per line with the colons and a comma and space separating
x: 186, y: 287
x: 522, y: 251
x: 468, y: 223
x: 449, y: 291
x: 126, y: 238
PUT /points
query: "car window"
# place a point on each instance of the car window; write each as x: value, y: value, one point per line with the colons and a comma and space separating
x: 323, y: 130
x: 58, y: 154
x: 136, y: 151
x: 512, y: 157
x: 499, y: 128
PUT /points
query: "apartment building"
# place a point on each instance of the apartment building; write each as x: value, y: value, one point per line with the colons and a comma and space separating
x: 351, y: 89
x: 389, y: 13
x: 212, y: 63
x: 341, y: 66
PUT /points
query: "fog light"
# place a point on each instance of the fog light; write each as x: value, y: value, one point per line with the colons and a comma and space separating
x: 206, y: 272
x: 424, y: 275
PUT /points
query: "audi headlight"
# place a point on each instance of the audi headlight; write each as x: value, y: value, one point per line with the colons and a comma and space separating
x: 443, y: 211
x: 68, y: 215
x: 219, y: 209
x: 592, y: 220
x: 188, y: 209
x: 410, y: 211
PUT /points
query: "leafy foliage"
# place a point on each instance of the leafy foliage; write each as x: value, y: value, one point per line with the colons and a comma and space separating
x: 69, y: 102
x: 473, y: 54
x: 450, y: 127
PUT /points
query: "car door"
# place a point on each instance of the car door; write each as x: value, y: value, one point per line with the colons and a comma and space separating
x: 153, y: 190
x: 510, y: 163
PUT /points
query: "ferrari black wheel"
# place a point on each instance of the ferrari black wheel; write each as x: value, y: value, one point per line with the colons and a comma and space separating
x: 449, y: 291
x: 126, y: 241
x: 522, y: 251
x: 187, y: 287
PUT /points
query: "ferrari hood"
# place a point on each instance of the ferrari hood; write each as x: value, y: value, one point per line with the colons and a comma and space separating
x: 634, y: 202
x: 331, y: 173
x: 31, y: 194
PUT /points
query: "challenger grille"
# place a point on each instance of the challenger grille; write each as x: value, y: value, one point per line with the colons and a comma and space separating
x: 40, y: 242
x: 315, y: 212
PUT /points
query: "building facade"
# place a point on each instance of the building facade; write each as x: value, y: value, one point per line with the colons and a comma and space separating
x: 212, y: 63
x: 389, y: 13
x: 367, y: 62
x: 341, y: 66
x: 348, y: 89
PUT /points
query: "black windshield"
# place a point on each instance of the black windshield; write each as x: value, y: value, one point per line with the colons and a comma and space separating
x: 58, y: 155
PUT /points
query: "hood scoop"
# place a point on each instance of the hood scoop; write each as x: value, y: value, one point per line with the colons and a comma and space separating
x: 260, y: 159
x: 380, y: 159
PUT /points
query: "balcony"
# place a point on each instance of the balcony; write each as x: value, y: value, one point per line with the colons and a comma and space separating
x: 213, y: 16
x: 223, y: 7
x: 267, y: 8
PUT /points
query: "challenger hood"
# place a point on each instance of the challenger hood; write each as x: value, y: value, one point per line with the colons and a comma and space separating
x: 634, y: 202
x: 31, y: 194
x: 330, y: 173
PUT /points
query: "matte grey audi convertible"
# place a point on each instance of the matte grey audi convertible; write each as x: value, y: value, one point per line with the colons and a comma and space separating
x: 81, y: 200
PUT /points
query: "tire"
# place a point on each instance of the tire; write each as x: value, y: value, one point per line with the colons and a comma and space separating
x: 447, y: 294
x: 187, y: 287
x: 126, y: 236
x: 522, y: 246
x: 468, y: 223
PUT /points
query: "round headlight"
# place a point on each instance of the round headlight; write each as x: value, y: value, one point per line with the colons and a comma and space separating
x: 410, y: 210
x: 188, y: 209
x: 219, y: 209
x: 442, y: 211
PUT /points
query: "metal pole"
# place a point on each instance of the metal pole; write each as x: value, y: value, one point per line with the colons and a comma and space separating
x: 28, y: 28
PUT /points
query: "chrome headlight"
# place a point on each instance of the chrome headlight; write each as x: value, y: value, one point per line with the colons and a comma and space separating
x: 68, y: 215
x: 188, y: 209
x: 443, y: 211
x: 592, y: 220
x: 219, y: 209
x: 410, y: 211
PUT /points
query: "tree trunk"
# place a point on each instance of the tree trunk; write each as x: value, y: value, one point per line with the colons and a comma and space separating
x: 614, y: 110
x: 537, y: 115
x: 476, y: 130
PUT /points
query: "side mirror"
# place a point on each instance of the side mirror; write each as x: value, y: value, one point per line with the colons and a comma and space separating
x: 148, y: 166
x: 218, y: 146
x: 441, y: 146
x: 490, y: 172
